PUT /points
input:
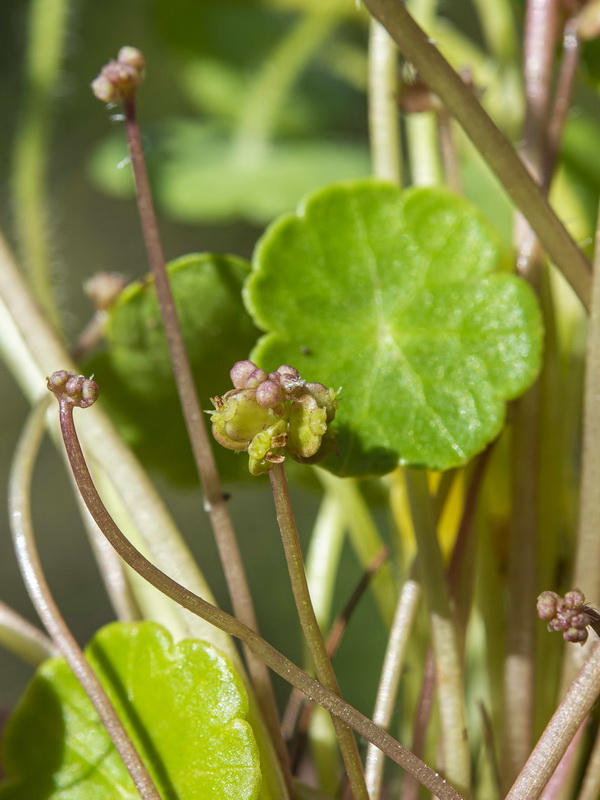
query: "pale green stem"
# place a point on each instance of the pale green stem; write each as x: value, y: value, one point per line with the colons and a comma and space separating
x: 232, y: 626
x: 586, y: 575
x: 590, y: 788
x: 574, y: 708
x: 112, y: 569
x: 364, y: 537
x: 19, y: 495
x: 270, y: 87
x: 313, y: 636
x: 390, y: 678
x: 422, y: 136
x: 519, y: 661
x: 322, y: 563
x: 487, y: 138
x: 20, y: 637
x: 384, y: 116
x: 498, y: 25
x: 47, y: 26
x: 449, y: 673
x: 323, y: 556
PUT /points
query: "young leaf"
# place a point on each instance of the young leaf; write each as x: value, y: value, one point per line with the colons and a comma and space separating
x: 135, y: 375
x: 183, y: 706
x: 397, y: 298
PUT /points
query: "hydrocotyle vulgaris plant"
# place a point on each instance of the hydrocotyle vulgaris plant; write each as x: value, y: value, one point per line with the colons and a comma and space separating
x: 426, y: 367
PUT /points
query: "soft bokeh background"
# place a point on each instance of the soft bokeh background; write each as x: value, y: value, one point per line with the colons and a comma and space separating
x: 92, y: 230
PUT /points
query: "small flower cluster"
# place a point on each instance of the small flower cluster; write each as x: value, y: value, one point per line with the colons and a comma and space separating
x: 119, y: 79
x: 569, y: 614
x: 270, y: 414
x: 76, y: 390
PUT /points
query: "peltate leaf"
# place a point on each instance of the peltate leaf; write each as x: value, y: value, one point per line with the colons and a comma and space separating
x: 183, y: 706
x: 398, y: 298
x: 134, y: 372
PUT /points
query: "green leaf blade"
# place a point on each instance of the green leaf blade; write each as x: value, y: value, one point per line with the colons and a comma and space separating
x: 398, y: 298
x: 183, y: 706
x: 134, y: 371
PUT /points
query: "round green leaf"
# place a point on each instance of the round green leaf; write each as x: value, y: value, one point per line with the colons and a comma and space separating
x: 183, y: 706
x: 134, y: 372
x: 397, y: 298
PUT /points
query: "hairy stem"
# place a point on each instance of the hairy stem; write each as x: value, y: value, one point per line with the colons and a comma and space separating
x: 30, y: 155
x: 310, y: 627
x: 33, y: 576
x: 575, y: 706
x: 487, y: 138
x: 214, y: 499
x: 261, y: 648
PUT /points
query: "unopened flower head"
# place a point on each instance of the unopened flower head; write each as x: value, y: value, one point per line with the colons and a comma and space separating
x: 119, y: 79
x: 271, y: 415
x: 568, y: 615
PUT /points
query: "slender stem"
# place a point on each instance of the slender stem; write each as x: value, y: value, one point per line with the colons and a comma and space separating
x: 112, y: 569
x: 455, y: 758
x: 410, y: 790
x: 324, y: 551
x: 214, y: 499
x: 384, y: 117
x: 562, y: 98
x: 47, y: 27
x: 32, y: 350
x: 364, y: 537
x: 498, y: 26
x: 590, y: 788
x: 487, y: 138
x: 268, y: 654
x: 519, y: 662
x: 587, y: 553
x: 575, y: 706
x: 390, y: 677
x: 270, y: 87
x: 310, y: 627
x: 22, y: 638
x: 33, y: 576
x: 422, y: 137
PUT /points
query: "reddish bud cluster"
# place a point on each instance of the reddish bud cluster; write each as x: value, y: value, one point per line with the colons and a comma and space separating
x: 77, y: 390
x: 269, y: 414
x: 119, y: 79
x: 569, y: 614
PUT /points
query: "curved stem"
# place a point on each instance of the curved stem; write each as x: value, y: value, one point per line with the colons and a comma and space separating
x: 33, y: 576
x: 384, y: 117
x: 215, y: 502
x: 390, y: 678
x: 32, y: 350
x: 310, y: 627
x: 487, y: 138
x: 30, y: 155
x: 268, y: 654
x: 22, y: 638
